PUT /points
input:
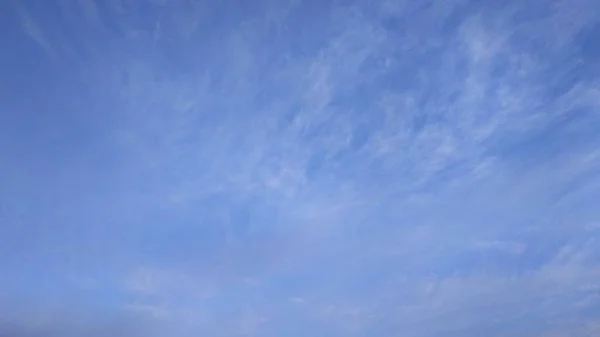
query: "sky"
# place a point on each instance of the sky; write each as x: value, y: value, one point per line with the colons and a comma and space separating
x: 299, y: 168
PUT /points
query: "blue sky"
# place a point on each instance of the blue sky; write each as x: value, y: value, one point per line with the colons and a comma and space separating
x: 299, y: 168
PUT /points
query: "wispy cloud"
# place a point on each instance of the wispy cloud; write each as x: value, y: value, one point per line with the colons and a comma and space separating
x: 293, y: 168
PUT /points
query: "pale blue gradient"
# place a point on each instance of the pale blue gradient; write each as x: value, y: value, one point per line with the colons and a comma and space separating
x: 300, y: 168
